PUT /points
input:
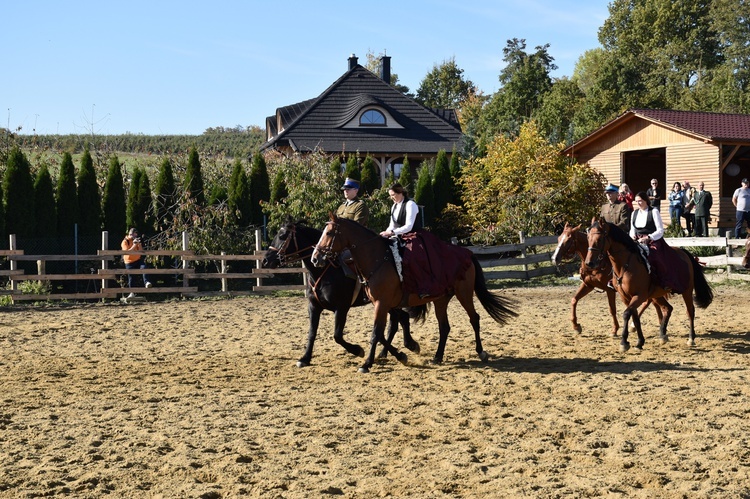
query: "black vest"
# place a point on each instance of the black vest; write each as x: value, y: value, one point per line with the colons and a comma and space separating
x: 650, y: 224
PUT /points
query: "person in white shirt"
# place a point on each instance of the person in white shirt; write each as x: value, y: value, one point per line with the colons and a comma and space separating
x: 741, y: 201
x: 403, y: 212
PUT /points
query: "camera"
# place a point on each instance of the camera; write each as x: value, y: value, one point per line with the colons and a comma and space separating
x: 137, y: 240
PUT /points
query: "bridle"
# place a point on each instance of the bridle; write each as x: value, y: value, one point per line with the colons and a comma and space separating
x: 327, y: 252
x: 296, y: 255
x: 602, y: 251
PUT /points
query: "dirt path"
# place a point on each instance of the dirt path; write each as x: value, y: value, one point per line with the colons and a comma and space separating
x: 203, y: 399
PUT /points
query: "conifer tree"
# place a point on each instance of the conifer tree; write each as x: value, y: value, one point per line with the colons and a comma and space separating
x: 404, y: 177
x: 352, y: 168
x: 194, y: 178
x: 441, y: 183
x: 145, y: 205
x: 66, y: 198
x: 3, y: 243
x: 18, y: 190
x: 89, y: 200
x: 279, y: 191
x: 260, y: 189
x: 44, y: 204
x: 455, y: 178
x: 424, y: 196
x: 370, y: 180
x: 239, y: 195
x: 132, y: 213
x: 114, y: 204
x: 165, y: 199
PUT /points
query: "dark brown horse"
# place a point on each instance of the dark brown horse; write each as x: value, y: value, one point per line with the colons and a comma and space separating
x: 572, y: 242
x: 636, y: 285
x: 746, y: 257
x: 376, y: 266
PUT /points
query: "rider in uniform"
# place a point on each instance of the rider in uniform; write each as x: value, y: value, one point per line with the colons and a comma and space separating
x: 353, y: 208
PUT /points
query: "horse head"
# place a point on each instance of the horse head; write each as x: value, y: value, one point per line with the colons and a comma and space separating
x: 598, y: 243
x: 291, y: 244
x: 566, y: 244
x: 330, y: 243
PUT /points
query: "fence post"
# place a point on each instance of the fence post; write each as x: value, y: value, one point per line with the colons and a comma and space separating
x: 105, y: 246
x: 13, y: 263
x: 522, y: 240
x: 729, y: 254
x: 224, y: 280
x: 258, y: 263
x: 185, y: 277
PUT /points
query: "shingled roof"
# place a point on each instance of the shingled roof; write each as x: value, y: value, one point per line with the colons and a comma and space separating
x: 710, y: 127
x: 325, y: 123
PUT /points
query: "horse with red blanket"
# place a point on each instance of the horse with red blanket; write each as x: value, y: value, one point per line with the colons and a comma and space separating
x: 430, y: 271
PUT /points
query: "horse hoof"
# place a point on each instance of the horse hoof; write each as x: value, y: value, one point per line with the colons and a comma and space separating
x: 302, y: 363
x: 577, y: 328
x: 436, y: 361
x: 403, y: 358
x: 624, y: 347
x: 363, y: 370
x: 413, y: 347
x: 665, y: 339
x: 483, y: 356
x: 360, y: 352
x: 691, y: 343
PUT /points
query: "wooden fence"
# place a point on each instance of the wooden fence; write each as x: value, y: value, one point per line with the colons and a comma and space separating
x: 530, y: 258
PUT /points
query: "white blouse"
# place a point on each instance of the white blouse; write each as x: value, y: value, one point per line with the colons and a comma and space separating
x: 639, y: 219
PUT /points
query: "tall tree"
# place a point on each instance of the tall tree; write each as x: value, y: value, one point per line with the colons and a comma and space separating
x: 239, y: 195
x: 139, y: 210
x: 279, y: 191
x: 441, y: 183
x: 165, y: 193
x: 444, y: 87
x: 66, y: 197
x: 455, y: 169
x: 260, y: 188
x: 44, y: 204
x: 18, y: 188
x: 369, y: 180
x: 89, y: 199
x: 424, y: 195
x: 404, y: 177
x: 194, y: 178
x: 114, y: 203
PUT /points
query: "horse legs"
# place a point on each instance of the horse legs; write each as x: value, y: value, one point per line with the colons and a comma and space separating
x: 583, y: 290
x: 444, y: 327
x: 612, y: 301
x: 339, y: 321
x: 313, y: 313
x: 690, y: 306
x: 398, y: 316
x: 631, y: 312
x: 377, y: 337
x: 664, y: 310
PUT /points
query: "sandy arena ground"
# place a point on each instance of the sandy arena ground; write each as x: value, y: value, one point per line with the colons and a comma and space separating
x: 202, y: 399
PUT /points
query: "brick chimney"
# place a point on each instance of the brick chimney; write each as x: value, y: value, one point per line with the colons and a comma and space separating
x: 385, y: 69
x: 352, y: 61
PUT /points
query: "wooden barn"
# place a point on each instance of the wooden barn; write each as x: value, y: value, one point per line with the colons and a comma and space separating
x: 673, y: 146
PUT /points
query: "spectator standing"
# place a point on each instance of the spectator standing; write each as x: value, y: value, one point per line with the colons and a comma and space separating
x: 689, y: 205
x: 654, y: 195
x: 741, y: 200
x: 703, y: 201
x: 627, y: 195
x: 676, y: 204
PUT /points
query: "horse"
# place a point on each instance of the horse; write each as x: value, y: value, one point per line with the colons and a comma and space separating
x: 636, y: 285
x: 329, y: 289
x: 377, y: 266
x: 746, y: 257
x: 571, y: 242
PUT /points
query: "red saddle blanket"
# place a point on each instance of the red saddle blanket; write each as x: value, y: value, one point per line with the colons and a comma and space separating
x: 667, y: 266
x: 430, y: 265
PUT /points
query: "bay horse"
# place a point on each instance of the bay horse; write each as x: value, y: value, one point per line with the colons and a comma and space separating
x: 377, y: 266
x: 571, y: 242
x: 746, y: 257
x: 329, y: 289
x: 636, y: 284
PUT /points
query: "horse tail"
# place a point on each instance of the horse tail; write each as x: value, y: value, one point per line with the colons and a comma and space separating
x: 704, y: 293
x: 418, y: 313
x: 497, y: 306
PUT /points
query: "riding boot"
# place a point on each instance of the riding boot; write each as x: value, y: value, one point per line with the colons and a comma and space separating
x: 345, y: 259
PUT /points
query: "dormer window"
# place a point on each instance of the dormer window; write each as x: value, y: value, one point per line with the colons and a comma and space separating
x: 372, y: 117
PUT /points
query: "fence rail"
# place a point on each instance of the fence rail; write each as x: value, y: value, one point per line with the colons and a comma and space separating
x: 530, y: 257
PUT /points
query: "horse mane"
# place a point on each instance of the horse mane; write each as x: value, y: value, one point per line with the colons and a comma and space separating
x: 355, y: 224
x: 619, y: 235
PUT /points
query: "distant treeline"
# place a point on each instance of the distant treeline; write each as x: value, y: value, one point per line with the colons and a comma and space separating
x: 237, y: 142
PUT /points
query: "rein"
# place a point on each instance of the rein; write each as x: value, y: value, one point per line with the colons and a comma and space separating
x: 295, y: 256
x: 329, y: 254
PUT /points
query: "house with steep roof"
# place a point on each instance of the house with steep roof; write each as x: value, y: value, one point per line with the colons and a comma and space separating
x: 361, y: 113
x: 673, y: 146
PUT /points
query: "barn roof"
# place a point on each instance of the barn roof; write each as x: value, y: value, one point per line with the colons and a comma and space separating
x: 710, y: 127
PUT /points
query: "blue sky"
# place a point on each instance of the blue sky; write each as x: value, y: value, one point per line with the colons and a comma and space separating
x: 164, y: 67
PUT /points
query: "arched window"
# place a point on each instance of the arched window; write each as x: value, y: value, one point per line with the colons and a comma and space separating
x: 372, y: 117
